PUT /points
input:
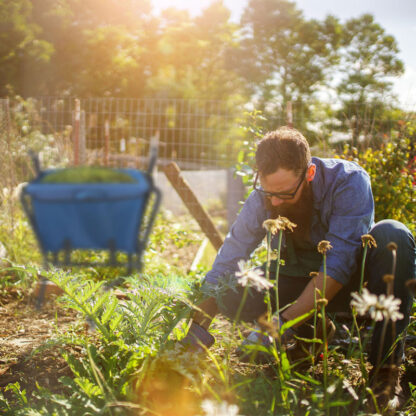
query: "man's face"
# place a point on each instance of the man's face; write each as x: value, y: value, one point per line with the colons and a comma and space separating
x: 283, y: 181
x: 299, y: 208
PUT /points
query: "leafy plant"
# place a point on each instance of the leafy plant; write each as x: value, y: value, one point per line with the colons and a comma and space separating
x: 391, y: 169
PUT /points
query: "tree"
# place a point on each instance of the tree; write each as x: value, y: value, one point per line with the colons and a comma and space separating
x: 22, y: 51
x: 283, y: 56
x: 100, y: 46
x: 192, y: 65
x: 368, y: 61
x: 192, y: 53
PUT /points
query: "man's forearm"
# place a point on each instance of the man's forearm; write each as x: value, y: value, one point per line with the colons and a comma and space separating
x: 305, y: 301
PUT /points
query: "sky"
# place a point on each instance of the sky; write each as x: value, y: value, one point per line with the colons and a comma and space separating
x: 397, y: 17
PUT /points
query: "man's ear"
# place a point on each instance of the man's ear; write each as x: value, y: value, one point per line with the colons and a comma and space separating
x: 310, y: 174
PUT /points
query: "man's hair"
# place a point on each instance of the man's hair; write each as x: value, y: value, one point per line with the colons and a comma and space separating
x: 284, y: 148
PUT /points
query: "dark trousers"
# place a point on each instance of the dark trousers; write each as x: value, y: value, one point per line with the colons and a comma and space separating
x: 378, y: 263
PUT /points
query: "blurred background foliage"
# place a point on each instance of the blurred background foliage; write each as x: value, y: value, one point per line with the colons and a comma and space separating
x: 332, y: 78
x: 272, y: 56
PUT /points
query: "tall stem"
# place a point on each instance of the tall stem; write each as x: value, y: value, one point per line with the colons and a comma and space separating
x: 242, y: 303
x: 324, y: 335
x: 268, y: 301
x: 276, y: 285
x: 363, y: 267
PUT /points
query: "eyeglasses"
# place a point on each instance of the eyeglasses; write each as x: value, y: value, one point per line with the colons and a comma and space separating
x: 280, y: 195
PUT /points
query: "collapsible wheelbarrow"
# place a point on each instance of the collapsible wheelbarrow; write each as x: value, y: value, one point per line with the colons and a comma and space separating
x: 115, y: 217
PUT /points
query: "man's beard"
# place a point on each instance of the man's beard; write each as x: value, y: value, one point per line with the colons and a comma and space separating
x: 299, y: 213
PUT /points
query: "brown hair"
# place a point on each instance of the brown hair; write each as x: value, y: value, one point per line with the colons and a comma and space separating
x: 284, y: 148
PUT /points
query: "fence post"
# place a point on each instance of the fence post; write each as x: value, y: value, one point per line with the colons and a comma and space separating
x: 235, y: 194
x: 289, y: 114
x: 190, y: 200
x: 77, y: 117
x: 106, y: 142
x: 82, y: 139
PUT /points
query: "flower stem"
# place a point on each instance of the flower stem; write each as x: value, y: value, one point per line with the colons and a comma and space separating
x: 268, y: 301
x: 324, y: 336
x: 362, y: 267
x: 276, y: 285
x: 242, y: 303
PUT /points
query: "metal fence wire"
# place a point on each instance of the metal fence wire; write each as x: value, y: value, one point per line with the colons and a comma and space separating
x: 118, y: 131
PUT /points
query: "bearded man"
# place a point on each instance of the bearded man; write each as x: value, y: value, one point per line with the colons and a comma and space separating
x: 328, y: 199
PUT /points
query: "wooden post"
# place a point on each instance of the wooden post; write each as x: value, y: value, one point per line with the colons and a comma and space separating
x: 82, y: 141
x: 190, y: 200
x: 235, y: 194
x: 289, y: 114
x: 77, y: 118
x: 106, y: 142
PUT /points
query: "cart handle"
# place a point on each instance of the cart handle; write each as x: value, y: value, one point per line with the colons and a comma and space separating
x: 154, y: 145
x: 35, y: 160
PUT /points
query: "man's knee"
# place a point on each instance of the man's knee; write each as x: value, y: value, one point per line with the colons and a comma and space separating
x: 381, y: 259
x: 388, y: 231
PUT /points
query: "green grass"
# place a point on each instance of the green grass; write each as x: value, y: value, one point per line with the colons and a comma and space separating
x: 88, y: 174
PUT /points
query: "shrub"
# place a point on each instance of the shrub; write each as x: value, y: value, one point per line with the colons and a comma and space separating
x: 392, y: 172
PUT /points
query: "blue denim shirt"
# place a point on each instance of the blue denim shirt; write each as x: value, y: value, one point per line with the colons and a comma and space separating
x: 343, y: 212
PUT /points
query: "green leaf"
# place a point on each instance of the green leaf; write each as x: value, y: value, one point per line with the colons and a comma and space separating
x: 109, y: 310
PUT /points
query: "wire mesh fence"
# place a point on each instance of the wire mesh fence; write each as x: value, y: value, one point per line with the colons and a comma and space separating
x: 118, y: 131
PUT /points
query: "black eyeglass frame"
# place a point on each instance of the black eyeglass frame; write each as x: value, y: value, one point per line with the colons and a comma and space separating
x: 280, y: 195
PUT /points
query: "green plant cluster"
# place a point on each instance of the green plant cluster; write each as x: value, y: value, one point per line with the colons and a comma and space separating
x: 392, y: 172
x: 88, y: 174
x: 130, y: 363
x: 113, y: 365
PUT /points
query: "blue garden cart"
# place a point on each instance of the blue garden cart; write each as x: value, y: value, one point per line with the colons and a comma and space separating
x: 115, y: 217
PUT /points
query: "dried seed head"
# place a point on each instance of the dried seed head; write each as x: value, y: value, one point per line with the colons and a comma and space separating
x: 392, y: 246
x: 324, y: 246
x: 368, y: 240
x: 322, y: 302
x: 271, y: 226
x: 288, y: 225
x: 411, y: 285
x: 388, y: 278
x: 277, y: 224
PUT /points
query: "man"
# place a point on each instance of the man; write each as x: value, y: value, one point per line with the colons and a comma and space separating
x: 328, y: 199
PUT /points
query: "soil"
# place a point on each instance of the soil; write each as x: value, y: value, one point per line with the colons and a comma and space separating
x: 23, y: 329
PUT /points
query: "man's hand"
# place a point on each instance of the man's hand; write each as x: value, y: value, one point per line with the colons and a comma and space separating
x: 206, y: 313
x: 197, y: 338
x: 306, y: 300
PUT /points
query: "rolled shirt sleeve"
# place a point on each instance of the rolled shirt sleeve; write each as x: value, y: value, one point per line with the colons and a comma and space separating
x: 245, y: 235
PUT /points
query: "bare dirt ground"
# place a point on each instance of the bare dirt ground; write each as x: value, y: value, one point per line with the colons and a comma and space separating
x: 22, y: 330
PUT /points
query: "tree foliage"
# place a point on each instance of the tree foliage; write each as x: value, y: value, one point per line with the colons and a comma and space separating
x: 284, y: 57
x: 273, y: 56
x: 368, y: 62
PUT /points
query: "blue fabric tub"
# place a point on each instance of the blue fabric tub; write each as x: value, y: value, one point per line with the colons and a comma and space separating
x: 89, y: 216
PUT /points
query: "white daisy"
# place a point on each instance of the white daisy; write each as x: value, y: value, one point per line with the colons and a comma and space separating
x: 379, y: 308
x: 212, y: 408
x: 252, y: 277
